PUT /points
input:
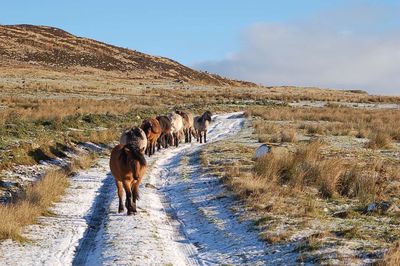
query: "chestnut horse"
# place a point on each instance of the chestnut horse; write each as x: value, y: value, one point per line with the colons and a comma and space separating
x: 165, y: 138
x: 187, y: 119
x: 152, y: 129
x: 128, y: 166
x: 201, y: 125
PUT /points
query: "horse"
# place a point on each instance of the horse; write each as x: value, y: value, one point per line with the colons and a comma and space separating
x: 136, y: 136
x: 128, y: 167
x: 166, y: 136
x: 201, y: 125
x: 176, y: 127
x: 152, y: 129
x: 187, y: 119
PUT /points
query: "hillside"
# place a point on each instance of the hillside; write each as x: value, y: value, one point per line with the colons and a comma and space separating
x: 53, y: 49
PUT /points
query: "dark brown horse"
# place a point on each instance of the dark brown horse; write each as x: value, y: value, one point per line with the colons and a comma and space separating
x: 152, y: 129
x: 165, y: 138
x: 201, y: 125
x: 128, y: 167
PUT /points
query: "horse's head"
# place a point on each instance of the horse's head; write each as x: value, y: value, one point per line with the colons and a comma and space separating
x: 207, y: 116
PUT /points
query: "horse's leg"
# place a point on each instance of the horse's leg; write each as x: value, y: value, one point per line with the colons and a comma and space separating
x: 200, y: 136
x: 120, y: 195
x: 154, y: 147
x: 128, y: 192
x: 205, y: 136
x: 159, y: 143
x: 150, y: 148
x: 135, y: 194
x: 197, y: 134
x: 190, y: 135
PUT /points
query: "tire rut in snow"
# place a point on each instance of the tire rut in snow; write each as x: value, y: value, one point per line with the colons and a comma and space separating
x: 202, y: 206
x: 95, y: 221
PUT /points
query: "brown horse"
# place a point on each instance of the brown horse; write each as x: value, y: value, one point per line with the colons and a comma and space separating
x: 201, y: 125
x: 152, y: 129
x: 187, y: 119
x: 128, y: 166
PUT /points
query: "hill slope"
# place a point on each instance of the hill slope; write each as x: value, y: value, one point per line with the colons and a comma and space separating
x: 55, y: 49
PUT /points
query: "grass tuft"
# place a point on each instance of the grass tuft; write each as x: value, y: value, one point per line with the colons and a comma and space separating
x: 31, y: 204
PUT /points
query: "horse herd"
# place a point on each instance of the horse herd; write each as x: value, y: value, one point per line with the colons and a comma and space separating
x: 128, y: 164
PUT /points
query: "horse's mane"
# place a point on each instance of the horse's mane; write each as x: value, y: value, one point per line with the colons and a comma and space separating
x: 136, y: 132
x: 146, y: 126
x: 136, y: 154
x: 206, y: 116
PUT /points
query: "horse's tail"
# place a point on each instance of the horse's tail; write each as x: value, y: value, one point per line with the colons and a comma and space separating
x: 137, y: 155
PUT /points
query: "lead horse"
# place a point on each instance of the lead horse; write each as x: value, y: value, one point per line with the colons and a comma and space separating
x: 128, y: 167
x: 201, y: 124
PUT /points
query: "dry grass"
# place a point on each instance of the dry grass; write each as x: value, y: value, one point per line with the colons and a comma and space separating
x: 392, y: 257
x: 306, y: 167
x: 379, y: 125
x: 31, y: 204
x: 37, y: 198
x: 379, y: 140
x: 82, y: 162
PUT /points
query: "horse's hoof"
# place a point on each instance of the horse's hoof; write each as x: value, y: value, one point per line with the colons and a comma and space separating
x: 120, y: 210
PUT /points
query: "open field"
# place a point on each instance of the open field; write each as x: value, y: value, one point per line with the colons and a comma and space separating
x: 345, y: 157
x: 328, y: 192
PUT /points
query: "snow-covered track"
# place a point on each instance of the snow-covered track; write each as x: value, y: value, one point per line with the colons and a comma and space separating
x: 180, y: 220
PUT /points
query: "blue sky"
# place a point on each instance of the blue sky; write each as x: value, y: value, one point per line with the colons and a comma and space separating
x: 217, y: 35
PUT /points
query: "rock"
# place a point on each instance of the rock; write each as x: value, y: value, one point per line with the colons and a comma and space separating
x: 372, y: 207
x: 341, y: 214
x: 262, y: 151
x: 383, y: 207
x: 148, y: 185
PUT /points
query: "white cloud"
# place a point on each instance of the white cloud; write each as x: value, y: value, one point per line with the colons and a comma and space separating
x: 319, y: 52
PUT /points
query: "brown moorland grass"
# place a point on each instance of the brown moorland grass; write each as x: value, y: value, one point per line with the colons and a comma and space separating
x: 34, y: 202
x: 38, y: 197
x: 392, y: 257
x: 379, y: 140
x: 331, y: 176
x: 380, y: 126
